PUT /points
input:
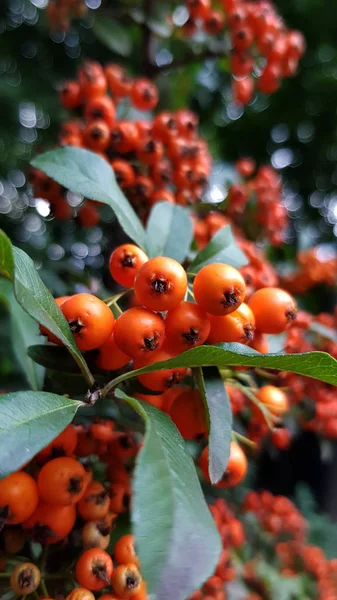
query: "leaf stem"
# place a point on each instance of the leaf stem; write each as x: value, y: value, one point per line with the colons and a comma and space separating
x: 243, y: 439
x: 88, y: 376
x: 114, y: 298
x: 190, y: 292
x: 43, y: 587
x: 269, y: 418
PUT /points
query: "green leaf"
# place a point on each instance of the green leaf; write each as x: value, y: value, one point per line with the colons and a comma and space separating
x: 55, y: 358
x: 221, y: 249
x: 169, y: 231
x: 170, y: 517
x: 113, y: 35
x: 84, y: 172
x: 219, y: 413
x: 30, y: 421
x: 34, y: 297
x: 317, y: 365
x: 24, y: 332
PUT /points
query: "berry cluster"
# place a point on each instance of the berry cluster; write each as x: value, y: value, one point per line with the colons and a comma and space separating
x: 261, y: 194
x: 296, y: 557
x: 159, y: 160
x: 163, y: 324
x: 61, y: 502
x: 314, y: 268
x: 277, y: 515
x: 60, y: 13
x: 260, y: 42
x: 317, y: 400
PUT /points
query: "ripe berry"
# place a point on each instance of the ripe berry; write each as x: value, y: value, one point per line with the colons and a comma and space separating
x: 63, y: 445
x: 150, y: 151
x: 70, y: 95
x: 158, y: 381
x: 110, y: 356
x: 160, y: 284
x: 219, y: 289
x: 187, y: 325
x: 90, y: 320
x: 50, y: 524
x: 96, y: 534
x: 164, y: 126
x: 44, y: 330
x: 214, y: 22
x: 236, y: 468
x: 80, y: 593
x: 238, y: 326
x: 198, y: 9
x: 126, y: 581
x: 119, y: 83
x: 18, y: 498
x: 125, y: 262
x: 139, y: 331
x: 125, y: 550
x: 273, y: 398
x: 124, y: 137
x: 62, y: 481
x: 25, y: 579
x: 102, y: 109
x: 95, y: 502
x: 242, y: 90
x: 273, y: 309
x: 188, y: 414
x: 124, y: 172
x: 281, y: 438
x: 144, y: 94
x: 94, y: 569
x: 96, y: 135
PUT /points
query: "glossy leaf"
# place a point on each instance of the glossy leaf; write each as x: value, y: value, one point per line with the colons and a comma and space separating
x: 170, y: 517
x: 219, y: 415
x: 30, y: 421
x: 84, y: 172
x: 221, y: 249
x: 115, y: 37
x: 34, y: 297
x: 55, y: 358
x: 318, y: 365
x: 24, y: 332
x: 169, y: 231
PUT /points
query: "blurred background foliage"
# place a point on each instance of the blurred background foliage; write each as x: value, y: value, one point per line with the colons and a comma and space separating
x: 295, y: 129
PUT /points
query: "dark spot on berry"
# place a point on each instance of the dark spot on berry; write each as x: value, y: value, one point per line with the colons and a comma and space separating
x: 131, y: 581
x: 40, y: 533
x: 150, y: 146
x: 230, y: 299
x: 128, y: 261
x: 57, y: 452
x: 291, y: 315
x: 192, y: 336
x: 97, y: 113
x: 160, y: 286
x: 96, y: 133
x: 151, y: 343
x: 75, y: 485
x: 25, y: 578
x: 249, y: 332
x: 99, y: 571
x: 76, y: 326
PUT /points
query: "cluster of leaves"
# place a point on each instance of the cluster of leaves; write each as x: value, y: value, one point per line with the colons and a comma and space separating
x: 165, y: 480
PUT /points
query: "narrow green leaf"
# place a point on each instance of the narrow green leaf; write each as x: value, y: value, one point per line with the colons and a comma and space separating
x: 169, y: 514
x: 221, y: 249
x: 317, y: 365
x: 24, y: 332
x: 35, y: 298
x: 113, y: 35
x: 218, y: 407
x: 169, y: 231
x: 30, y: 421
x: 55, y: 358
x: 84, y: 172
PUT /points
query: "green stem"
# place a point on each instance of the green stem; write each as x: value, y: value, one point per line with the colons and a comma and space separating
x: 243, y: 439
x: 114, y: 298
x: 190, y: 274
x: 190, y: 292
x: 5, y: 575
x: 44, y: 590
x: 269, y: 418
x: 88, y: 376
x: 115, y: 304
